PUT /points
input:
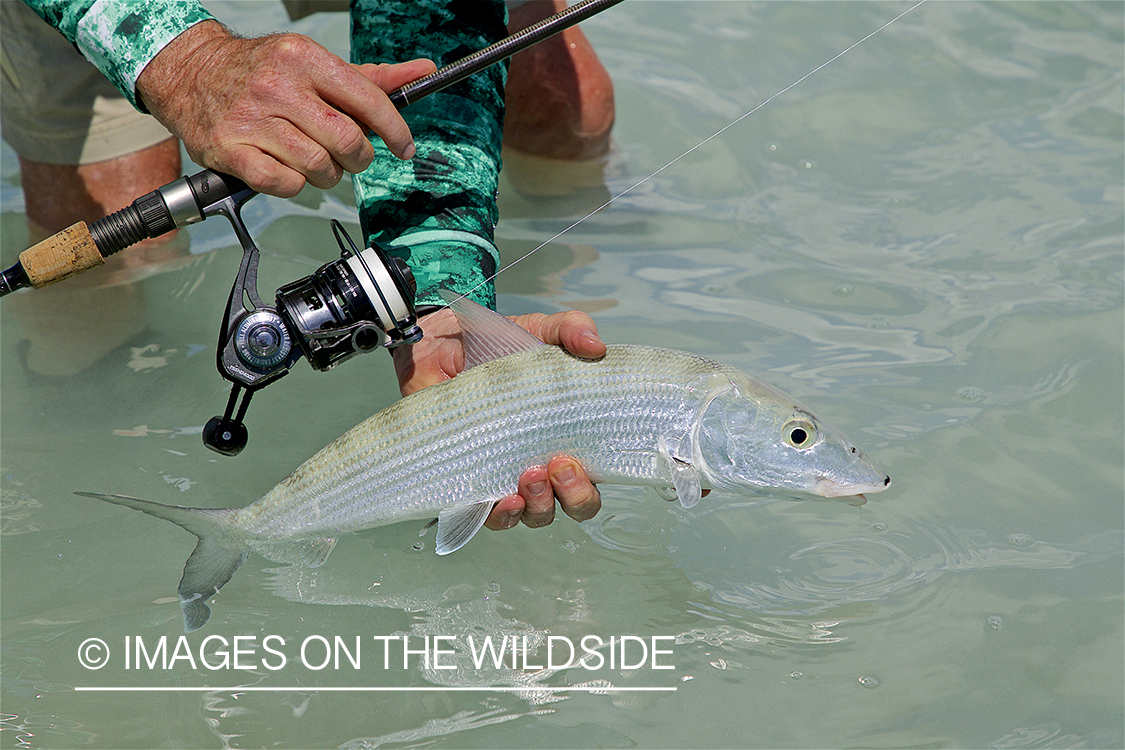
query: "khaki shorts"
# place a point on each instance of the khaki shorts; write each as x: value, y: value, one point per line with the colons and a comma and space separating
x: 57, y: 108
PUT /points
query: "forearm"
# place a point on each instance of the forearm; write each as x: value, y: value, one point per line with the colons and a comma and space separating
x: 121, y: 37
x: 438, y: 210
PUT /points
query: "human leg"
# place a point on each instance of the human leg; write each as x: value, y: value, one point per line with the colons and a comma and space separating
x: 559, y: 96
x: 84, y: 152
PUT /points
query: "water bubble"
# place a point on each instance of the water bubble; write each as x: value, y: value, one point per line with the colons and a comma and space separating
x: 868, y: 682
x: 843, y: 290
x: 570, y: 545
x: 808, y: 165
x: 995, y: 622
x: 773, y: 147
x: 419, y: 546
x: 493, y: 587
x: 970, y: 394
x: 879, y: 526
x: 795, y: 675
x: 1021, y: 540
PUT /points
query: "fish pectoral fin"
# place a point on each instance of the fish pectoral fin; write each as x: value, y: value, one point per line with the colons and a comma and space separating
x: 685, y: 479
x: 456, y: 526
x: 310, y: 552
x: 485, y: 334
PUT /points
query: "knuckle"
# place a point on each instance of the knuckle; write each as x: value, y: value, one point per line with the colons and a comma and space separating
x: 270, y: 181
x: 354, y: 147
x: 585, y: 507
x: 538, y: 520
x: 292, y: 47
x: 575, y: 319
x: 322, y: 169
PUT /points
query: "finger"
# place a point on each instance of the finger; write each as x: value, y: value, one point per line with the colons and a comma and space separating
x: 539, y: 497
x: 577, y: 495
x: 505, y: 514
x: 394, y: 76
x: 342, y: 141
x: 303, y: 148
x: 574, y: 330
x: 370, y: 105
x: 258, y: 169
x: 307, y: 96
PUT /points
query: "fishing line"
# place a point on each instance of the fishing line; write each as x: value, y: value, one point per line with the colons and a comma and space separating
x: 691, y: 150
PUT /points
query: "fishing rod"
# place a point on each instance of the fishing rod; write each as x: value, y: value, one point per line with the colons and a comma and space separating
x: 192, y: 199
x: 351, y: 305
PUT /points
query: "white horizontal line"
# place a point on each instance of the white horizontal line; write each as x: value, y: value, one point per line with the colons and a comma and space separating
x: 312, y: 689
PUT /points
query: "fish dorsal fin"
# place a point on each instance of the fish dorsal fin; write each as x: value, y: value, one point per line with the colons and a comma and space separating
x: 485, y: 334
x: 685, y: 479
x: 456, y: 526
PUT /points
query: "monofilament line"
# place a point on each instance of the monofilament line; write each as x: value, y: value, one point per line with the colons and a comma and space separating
x: 702, y: 143
x: 596, y: 689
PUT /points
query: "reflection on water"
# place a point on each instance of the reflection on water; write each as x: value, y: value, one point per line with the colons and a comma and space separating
x: 922, y: 241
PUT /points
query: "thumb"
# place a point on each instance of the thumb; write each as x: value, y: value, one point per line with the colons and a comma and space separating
x: 390, y: 76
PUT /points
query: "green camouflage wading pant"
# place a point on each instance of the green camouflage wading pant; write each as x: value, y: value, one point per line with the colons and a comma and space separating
x: 437, y: 211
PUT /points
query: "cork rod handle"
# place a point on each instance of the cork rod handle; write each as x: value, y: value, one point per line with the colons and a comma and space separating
x: 60, y: 256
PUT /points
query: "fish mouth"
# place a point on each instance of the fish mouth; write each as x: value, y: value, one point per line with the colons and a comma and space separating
x: 826, y: 487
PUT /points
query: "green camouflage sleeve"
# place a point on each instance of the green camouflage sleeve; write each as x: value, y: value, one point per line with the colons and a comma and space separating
x: 120, y: 37
x: 437, y: 211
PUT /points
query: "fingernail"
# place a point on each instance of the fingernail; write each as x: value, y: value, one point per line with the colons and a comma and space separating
x: 566, y: 474
x: 537, y: 488
x: 409, y: 151
x: 512, y: 518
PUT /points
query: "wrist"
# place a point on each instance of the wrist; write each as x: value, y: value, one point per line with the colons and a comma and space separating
x: 163, y: 80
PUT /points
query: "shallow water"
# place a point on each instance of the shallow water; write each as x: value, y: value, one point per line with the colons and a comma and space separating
x: 922, y: 241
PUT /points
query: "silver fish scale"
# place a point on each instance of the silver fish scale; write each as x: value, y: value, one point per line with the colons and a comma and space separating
x: 469, y: 439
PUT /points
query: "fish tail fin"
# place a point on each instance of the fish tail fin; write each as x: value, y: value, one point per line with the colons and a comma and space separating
x: 216, y: 556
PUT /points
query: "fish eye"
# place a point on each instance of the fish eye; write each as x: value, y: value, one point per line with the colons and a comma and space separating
x: 799, y: 433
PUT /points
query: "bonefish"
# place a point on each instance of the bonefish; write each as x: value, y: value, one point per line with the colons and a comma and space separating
x: 640, y: 415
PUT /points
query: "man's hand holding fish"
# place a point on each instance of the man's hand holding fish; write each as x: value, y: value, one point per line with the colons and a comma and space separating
x: 440, y: 356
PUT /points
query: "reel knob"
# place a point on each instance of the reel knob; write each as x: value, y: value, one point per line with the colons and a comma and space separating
x: 225, y: 436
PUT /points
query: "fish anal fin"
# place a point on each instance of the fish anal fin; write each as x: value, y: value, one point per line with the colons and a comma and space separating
x: 457, y: 525
x: 485, y: 334
x: 311, y: 552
